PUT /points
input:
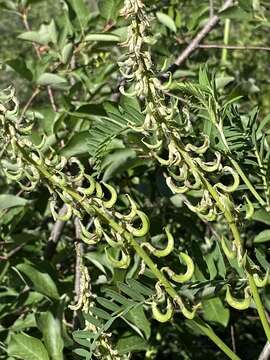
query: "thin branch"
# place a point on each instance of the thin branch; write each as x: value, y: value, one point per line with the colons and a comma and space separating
x: 211, y: 8
x: 211, y: 23
x: 29, y: 102
x: 265, y: 354
x: 233, y: 47
x: 55, y: 236
x: 233, y: 339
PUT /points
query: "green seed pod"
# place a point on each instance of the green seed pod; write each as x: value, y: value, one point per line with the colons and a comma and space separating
x: 110, y: 203
x: 156, y: 146
x: 235, y: 184
x: 162, y: 317
x: 99, y: 191
x: 181, y: 278
x: 111, y: 242
x: 90, y: 190
x: 197, y: 184
x: 13, y: 175
x: 249, y: 208
x: 199, y: 149
x: 56, y: 216
x: 144, y: 229
x: 161, y: 160
x: 190, y: 314
x: 123, y: 263
x: 183, y: 173
x: 230, y: 253
x: 164, y: 252
x: 210, y: 216
x: 42, y: 143
x: 80, y: 174
x: 174, y: 188
x: 210, y: 166
x: 236, y: 303
x: 260, y: 283
x: 91, y: 238
x: 60, y: 179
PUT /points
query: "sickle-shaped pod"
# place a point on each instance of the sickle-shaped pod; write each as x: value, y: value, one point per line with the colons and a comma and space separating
x: 190, y: 314
x: 210, y: 216
x: 123, y: 91
x: 199, y: 149
x: 160, y: 316
x: 99, y: 191
x: 13, y: 175
x: 91, y: 238
x: 174, y: 188
x: 164, y: 252
x: 210, y: 166
x: 230, y: 253
x: 166, y: 86
x: 234, y: 185
x: 249, y: 208
x: 197, y: 184
x: 123, y: 263
x: 156, y: 146
x: 236, y: 303
x: 261, y: 282
x: 108, y: 204
x: 183, y: 173
x: 181, y: 278
x: 35, y: 176
x: 174, y: 155
x: 61, y: 217
x: 133, y: 211
x: 111, y: 242
x: 25, y: 130
x: 62, y: 163
x: 144, y: 229
x: 60, y: 178
x: 42, y: 142
x: 80, y: 174
x: 91, y: 188
x: 161, y: 160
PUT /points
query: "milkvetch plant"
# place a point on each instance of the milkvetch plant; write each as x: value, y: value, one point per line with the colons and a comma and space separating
x: 138, y: 269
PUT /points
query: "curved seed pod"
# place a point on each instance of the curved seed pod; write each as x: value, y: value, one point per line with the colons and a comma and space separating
x: 235, y: 184
x: 35, y: 176
x: 236, y: 303
x: 29, y: 187
x: 26, y: 130
x: 181, y: 278
x: 199, y: 149
x: 60, y: 178
x: 61, y: 164
x: 190, y: 314
x: 88, y: 237
x: 196, y: 184
x: 174, y: 155
x: 132, y: 213
x: 210, y: 216
x: 210, y: 166
x: 230, y: 253
x: 99, y: 192
x: 167, y: 85
x: 91, y: 188
x: 110, y: 203
x: 80, y: 175
x: 174, y: 188
x: 123, y: 91
x: 161, y: 160
x: 164, y: 252
x: 42, y: 143
x: 182, y: 175
x: 123, y: 263
x: 156, y: 146
x: 56, y: 216
x: 143, y: 230
x: 260, y: 283
x: 13, y: 175
x: 162, y: 317
x: 111, y: 242
x: 249, y: 208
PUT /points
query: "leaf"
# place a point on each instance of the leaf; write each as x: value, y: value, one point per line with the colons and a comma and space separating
x: 51, y: 330
x: 109, y: 9
x: 223, y: 81
x: 137, y: 316
x: 77, y: 145
x: 106, y: 37
x: 263, y: 236
x: 166, y: 20
x: 130, y: 343
x: 20, y: 67
x: 8, y: 201
x: 81, y: 10
x: 27, y: 348
x: 49, y: 79
x: 214, y: 310
x: 262, y: 216
x: 45, y: 35
x: 42, y: 282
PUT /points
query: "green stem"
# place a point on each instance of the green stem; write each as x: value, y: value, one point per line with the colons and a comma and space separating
x: 259, y: 306
x: 247, y: 182
x: 226, y: 42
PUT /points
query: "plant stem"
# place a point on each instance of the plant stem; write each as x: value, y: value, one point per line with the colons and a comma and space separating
x: 226, y: 42
x: 259, y: 306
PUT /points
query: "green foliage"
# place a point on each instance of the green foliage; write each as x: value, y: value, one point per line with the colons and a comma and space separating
x: 134, y: 202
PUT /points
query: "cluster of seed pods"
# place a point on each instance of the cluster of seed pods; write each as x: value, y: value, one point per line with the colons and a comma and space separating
x: 187, y: 166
